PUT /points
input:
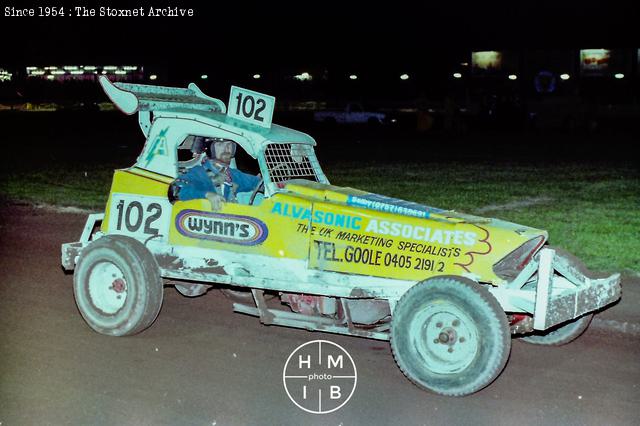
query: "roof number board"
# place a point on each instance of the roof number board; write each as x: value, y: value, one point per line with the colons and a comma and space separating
x: 252, y: 107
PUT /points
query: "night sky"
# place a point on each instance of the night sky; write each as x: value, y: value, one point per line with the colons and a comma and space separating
x: 326, y: 33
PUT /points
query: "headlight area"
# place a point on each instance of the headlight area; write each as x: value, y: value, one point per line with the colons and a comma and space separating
x: 512, y: 264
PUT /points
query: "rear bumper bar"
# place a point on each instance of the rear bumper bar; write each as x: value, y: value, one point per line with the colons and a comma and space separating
x: 71, y: 251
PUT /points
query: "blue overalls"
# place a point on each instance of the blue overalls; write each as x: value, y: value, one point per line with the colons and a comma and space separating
x: 212, y: 177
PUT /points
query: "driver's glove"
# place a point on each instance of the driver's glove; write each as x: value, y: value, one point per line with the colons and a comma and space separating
x: 216, y: 200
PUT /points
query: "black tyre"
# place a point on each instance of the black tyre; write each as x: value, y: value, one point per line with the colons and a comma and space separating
x: 192, y: 290
x: 243, y: 295
x: 561, y: 334
x: 449, y: 335
x: 238, y: 296
x: 117, y: 286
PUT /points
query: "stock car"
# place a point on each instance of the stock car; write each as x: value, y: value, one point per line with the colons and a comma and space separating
x: 447, y: 289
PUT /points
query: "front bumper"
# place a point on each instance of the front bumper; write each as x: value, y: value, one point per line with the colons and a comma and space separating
x: 556, y: 288
x: 573, y: 294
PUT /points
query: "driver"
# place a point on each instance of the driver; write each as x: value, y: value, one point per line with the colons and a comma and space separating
x: 214, y: 179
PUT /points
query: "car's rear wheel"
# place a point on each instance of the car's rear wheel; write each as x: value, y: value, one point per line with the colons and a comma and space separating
x: 117, y: 286
x: 559, y: 335
x: 450, y: 336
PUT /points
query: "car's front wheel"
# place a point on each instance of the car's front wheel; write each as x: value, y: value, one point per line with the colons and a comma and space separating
x: 117, y: 286
x: 449, y: 335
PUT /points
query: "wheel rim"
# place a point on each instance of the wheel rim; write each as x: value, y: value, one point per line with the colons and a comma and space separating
x: 445, y: 337
x: 107, y: 287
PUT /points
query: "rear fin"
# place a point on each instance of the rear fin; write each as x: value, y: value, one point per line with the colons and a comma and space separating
x: 131, y: 98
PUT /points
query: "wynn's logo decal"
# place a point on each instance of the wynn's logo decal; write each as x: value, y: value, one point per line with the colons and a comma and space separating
x: 225, y: 228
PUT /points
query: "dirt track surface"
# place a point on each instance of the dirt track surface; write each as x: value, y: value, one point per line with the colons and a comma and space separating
x: 201, y: 364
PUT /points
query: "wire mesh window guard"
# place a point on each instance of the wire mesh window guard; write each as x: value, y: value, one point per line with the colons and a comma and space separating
x: 287, y: 161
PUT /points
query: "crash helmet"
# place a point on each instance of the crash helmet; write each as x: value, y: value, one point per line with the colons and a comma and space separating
x: 211, y: 144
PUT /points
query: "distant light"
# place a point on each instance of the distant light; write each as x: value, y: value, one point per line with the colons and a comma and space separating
x: 57, y: 72
x: 130, y: 67
x: 257, y: 76
x: 89, y: 68
x: 457, y: 75
x: 353, y: 77
x: 619, y: 76
x: 594, y: 61
x: 393, y: 120
x: 110, y: 68
x: 104, y: 72
x: 153, y: 77
x: 487, y: 60
x: 565, y: 77
x: 32, y: 71
x: 77, y: 72
x: 204, y: 76
x: 305, y: 76
x: 513, y: 77
x: 70, y: 67
x: 464, y: 64
x: 404, y: 77
x: 5, y: 75
x: 121, y: 72
x: 50, y: 77
x: 51, y: 68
